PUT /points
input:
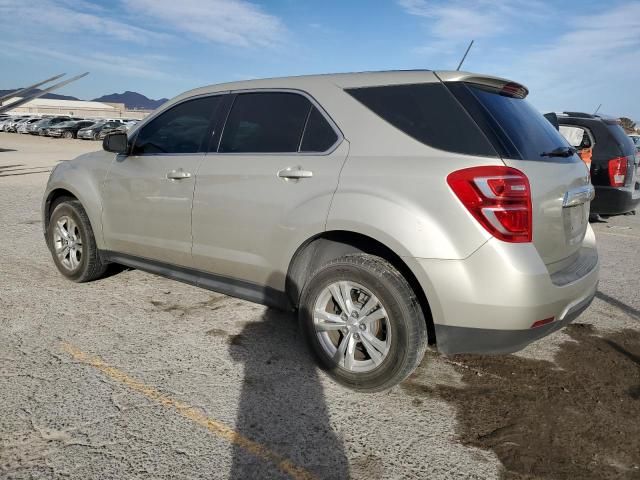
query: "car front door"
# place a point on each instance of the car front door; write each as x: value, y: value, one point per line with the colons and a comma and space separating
x: 266, y: 186
x: 148, y: 194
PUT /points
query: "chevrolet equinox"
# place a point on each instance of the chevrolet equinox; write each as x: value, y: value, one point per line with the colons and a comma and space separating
x: 389, y: 209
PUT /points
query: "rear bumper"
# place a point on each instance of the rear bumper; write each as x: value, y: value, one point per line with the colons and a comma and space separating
x: 453, y: 339
x: 615, y: 201
x: 488, y: 302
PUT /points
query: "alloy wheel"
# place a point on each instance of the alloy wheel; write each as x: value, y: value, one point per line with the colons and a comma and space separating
x: 352, y: 326
x: 67, y: 242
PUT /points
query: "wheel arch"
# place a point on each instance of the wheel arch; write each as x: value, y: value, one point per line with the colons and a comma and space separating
x: 53, y: 198
x: 58, y: 194
x: 329, y: 245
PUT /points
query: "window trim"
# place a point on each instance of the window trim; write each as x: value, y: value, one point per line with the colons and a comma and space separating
x: 205, y: 142
x: 308, y: 96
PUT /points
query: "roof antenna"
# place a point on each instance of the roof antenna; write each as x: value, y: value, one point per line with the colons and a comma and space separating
x: 597, y: 109
x: 465, y: 55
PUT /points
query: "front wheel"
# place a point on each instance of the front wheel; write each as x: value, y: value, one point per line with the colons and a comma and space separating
x: 68, y: 135
x: 363, y: 322
x: 72, y: 244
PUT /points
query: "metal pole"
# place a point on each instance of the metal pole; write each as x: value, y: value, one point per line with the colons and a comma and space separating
x: 465, y: 55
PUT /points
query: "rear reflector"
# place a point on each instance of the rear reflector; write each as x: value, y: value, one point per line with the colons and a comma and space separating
x: 540, y: 323
x: 499, y: 198
x: 617, y: 171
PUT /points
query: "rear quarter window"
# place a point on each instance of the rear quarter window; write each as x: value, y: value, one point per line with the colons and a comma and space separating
x: 428, y: 113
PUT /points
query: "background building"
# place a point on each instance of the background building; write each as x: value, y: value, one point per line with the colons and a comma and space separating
x: 77, y: 108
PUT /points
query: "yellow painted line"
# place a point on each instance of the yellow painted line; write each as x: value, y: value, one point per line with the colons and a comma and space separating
x: 217, y: 428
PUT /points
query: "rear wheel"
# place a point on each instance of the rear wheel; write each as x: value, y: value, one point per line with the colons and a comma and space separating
x: 363, y: 322
x: 72, y: 243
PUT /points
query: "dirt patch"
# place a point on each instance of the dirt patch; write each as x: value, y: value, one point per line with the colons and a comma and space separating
x: 184, y: 310
x: 576, y: 418
x: 217, y: 332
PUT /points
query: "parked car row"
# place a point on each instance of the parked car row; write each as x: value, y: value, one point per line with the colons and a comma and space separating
x: 63, y: 126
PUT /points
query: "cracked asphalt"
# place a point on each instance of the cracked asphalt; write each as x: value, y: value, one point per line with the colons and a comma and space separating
x: 139, y: 377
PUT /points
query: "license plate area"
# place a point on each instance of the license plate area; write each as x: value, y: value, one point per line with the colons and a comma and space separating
x: 575, y: 223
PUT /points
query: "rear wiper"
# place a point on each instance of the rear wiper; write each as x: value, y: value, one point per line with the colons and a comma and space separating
x: 560, y: 152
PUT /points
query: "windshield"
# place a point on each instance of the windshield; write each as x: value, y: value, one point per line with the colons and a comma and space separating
x: 516, y: 129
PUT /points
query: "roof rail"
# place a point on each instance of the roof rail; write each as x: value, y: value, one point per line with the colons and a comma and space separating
x: 579, y: 114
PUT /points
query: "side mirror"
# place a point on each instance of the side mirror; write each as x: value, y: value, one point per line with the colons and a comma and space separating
x: 116, y: 142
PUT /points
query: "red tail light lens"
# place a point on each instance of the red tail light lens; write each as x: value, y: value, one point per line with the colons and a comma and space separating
x: 617, y: 171
x: 497, y: 197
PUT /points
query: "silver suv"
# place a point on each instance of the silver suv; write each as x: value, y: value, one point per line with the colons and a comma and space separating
x: 390, y: 209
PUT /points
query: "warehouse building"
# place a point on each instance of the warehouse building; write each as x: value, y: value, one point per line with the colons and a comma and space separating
x: 77, y: 108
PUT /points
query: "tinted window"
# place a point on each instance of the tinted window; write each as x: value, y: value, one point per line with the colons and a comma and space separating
x: 517, y: 129
x: 626, y: 144
x: 318, y: 136
x: 181, y: 129
x: 427, y: 112
x: 265, y: 122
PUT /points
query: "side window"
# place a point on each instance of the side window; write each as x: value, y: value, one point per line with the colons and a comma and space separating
x: 265, y: 122
x: 181, y: 129
x: 319, y: 136
x: 577, y: 137
x: 427, y: 112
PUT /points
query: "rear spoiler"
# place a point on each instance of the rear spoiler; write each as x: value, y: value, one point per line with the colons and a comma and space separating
x: 553, y: 118
x: 502, y: 86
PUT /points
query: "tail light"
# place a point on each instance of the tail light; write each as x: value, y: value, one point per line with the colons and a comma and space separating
x: 499, y: 198
x: 617, y: 171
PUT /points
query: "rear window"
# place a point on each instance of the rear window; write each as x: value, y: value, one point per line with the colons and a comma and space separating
x: 515, y: 128
x: 428, y: 113
x: 626, y: 144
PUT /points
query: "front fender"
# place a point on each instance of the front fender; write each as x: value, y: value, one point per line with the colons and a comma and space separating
x: 82, y: 177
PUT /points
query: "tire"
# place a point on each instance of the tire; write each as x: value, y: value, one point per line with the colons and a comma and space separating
x: 399, y: 328
x: 96, y: 136
x: 68, y: 135
x: 83, y: 262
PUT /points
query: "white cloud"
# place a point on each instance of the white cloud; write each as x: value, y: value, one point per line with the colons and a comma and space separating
x: 140, y: 66
x: 68, y: 18
x: 453, y: 20
x: 594, y: 61
x: 230, y: 22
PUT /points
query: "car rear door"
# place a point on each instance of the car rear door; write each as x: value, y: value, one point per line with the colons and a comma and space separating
x: 148, y: 195
x: 266, y: 186
x: 560, y: 187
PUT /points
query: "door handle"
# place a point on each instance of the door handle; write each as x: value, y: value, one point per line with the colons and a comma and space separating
x: 178, y: 174
x: 294, y: 173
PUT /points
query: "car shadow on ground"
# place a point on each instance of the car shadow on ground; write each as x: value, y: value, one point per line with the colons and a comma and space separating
x: 628, y: 309
x: 577, y: 417
x: 282, y: 404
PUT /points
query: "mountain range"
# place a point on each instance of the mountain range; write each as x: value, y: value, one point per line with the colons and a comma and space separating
x: 132, y: 100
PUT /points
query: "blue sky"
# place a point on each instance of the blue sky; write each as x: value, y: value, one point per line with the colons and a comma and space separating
x: 572, y: 55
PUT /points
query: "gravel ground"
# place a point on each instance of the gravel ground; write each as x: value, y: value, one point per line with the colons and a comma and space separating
x: 139, y: 377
